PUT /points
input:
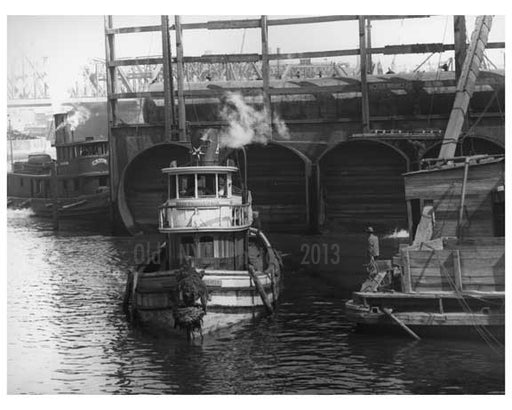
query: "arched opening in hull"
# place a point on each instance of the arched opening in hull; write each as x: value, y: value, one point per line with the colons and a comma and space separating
x: 362, y: 184
x: 143, y: 188
x: 278, y: 178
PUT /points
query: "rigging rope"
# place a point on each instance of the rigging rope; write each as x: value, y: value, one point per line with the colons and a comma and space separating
x: 483, y: 332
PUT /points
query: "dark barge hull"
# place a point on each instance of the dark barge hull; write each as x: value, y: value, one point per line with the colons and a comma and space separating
x: 367, y: 311
x: 84, y: 206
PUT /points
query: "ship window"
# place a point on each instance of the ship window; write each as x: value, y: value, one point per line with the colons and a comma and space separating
x: 187, y: 247
x: 102, y: 181
x: 186, y: 186
x: 206, y: 247
x: 76, y: 184
x: 21, y: 182
x: 206, y: 185
x: 223, y: 188
x: 172, y: 186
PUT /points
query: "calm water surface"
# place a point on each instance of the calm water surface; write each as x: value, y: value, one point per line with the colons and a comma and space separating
x: 67, y: 334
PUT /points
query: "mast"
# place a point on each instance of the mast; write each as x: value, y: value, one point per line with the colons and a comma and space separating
x: 466, y: 86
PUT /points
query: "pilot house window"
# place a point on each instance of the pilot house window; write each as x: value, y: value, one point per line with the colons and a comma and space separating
x: 223, y: 186
x: 186, y: 186
x: 206, y: 185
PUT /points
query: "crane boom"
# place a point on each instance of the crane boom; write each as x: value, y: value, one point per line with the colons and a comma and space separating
x: 465, y: 86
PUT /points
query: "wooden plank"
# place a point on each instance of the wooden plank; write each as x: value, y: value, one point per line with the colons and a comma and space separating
x: 135, y: 29
x: 406, y: 276
x: 253, y: 57
x: 255, y: 23
x: 135, y: 61
x: 431, y: 295
x: 410, y: 222
x: 138, y: 94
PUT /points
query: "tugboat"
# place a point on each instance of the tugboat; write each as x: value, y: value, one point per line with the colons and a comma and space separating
x: 214, y: 268
x: 81, y: 179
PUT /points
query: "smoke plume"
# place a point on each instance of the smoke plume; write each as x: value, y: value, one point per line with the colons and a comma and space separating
x: 247, y: 125
x: 79, y: 116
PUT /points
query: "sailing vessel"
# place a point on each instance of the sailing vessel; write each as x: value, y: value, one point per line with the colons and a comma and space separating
x: 78, y: 180
x: 211, y: 253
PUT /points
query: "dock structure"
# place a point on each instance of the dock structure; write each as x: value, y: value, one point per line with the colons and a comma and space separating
x: 349, y: 138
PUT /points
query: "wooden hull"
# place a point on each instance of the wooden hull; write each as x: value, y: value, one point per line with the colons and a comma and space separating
x: 422, y: 314
x: 233, y: 295
x: 233, y: 298
x: 94, y: 205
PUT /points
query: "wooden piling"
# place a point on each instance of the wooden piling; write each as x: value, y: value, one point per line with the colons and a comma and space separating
x: 54, y: 193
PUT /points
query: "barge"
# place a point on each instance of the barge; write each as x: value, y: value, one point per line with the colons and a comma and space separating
x: 452, y: 277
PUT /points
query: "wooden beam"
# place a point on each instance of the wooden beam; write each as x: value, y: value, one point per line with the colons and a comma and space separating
x: 138, y: 94
x: 410, y: 221
x: 406, y: 273
x: 265, y: 70
x: 124, y: 80
x: 459, y: 36
x: 254, y: 57
x: 181, y: 80
x: 466, y: 85
x: 255, y: 23
x: 111, y: 116
x: 136, y: 29
x: 169, y: 110
x: 462, y: 197
x: 457, y: 270
x: 365, y: 104
x: 369, y: 63
x: 135, y: 61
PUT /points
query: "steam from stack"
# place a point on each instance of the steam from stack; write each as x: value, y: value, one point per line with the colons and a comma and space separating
x: 77, y: 117
x: 246, y: 124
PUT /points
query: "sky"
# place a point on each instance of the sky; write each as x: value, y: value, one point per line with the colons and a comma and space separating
x: 69, y: 42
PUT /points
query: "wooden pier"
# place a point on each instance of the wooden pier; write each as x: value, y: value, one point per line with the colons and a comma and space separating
x: 346, y: 134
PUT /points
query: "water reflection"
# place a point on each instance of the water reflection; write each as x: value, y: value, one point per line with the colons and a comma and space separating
x: 67, y: 334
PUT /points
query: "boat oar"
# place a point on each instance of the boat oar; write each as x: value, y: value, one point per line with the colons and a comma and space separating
x: 260, y: 289
x: 400, y: 323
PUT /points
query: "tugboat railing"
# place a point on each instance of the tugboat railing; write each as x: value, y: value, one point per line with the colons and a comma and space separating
x: 193, y: 217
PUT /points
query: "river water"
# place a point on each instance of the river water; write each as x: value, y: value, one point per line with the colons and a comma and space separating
x: 67, y: 334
